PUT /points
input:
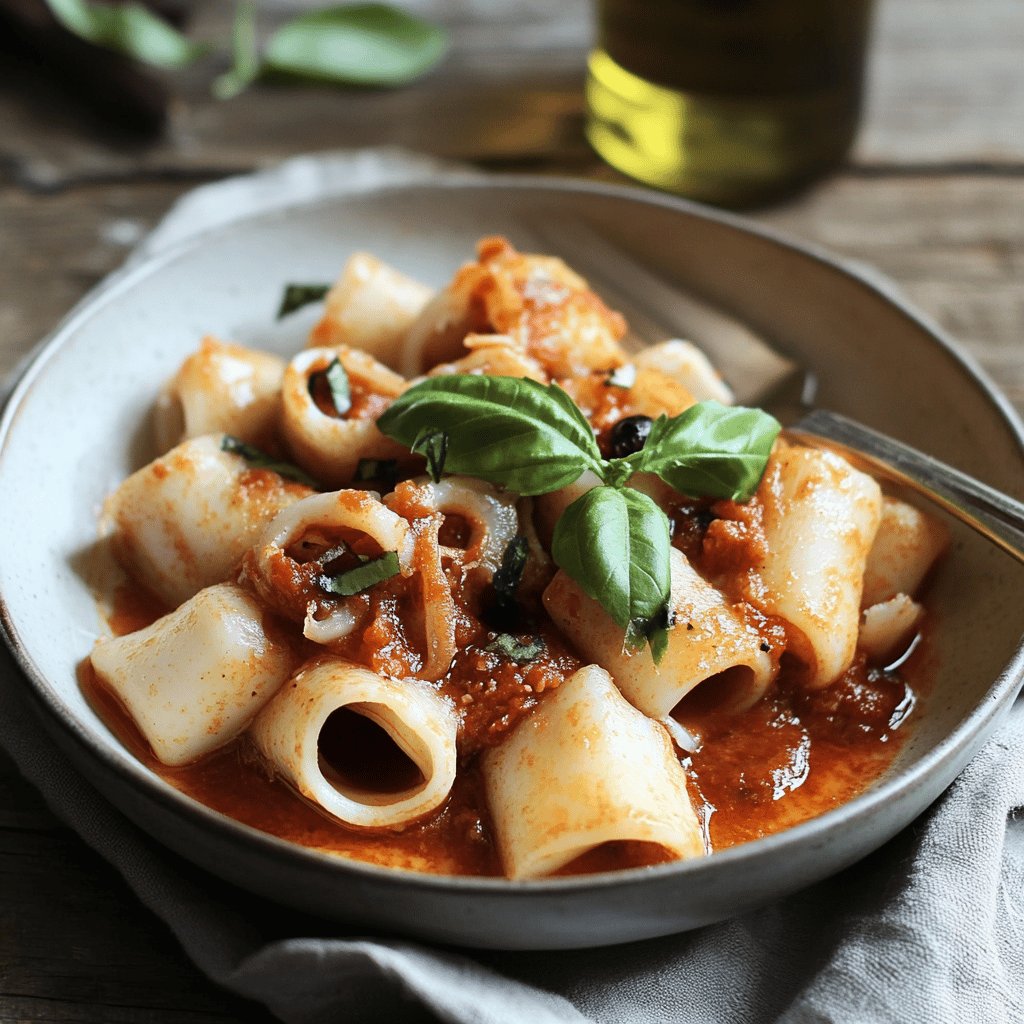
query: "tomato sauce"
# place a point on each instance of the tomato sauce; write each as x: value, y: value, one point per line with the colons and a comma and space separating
x: 793, y: 756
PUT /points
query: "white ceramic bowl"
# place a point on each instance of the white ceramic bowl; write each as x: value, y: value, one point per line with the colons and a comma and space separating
x: 76, y: 426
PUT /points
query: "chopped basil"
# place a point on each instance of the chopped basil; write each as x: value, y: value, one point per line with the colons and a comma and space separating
x: 362, y: 577
x: 515, y: 650
x: 337, y: 383
x: 259, y: 459
x: 433, y: 445
x: 384, y: 471
x: 622, y: 376
x: 510, y: 572
x: 298, y: 295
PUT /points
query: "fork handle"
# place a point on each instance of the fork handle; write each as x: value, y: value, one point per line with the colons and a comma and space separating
x: 993, y: 514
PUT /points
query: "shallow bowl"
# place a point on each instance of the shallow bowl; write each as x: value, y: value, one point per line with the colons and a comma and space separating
x: 75, y: 427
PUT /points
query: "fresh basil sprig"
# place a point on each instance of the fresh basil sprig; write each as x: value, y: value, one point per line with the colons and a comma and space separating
x: 613, y: 540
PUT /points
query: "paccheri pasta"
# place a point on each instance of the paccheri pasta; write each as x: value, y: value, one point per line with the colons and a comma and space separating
x: 465, y: 587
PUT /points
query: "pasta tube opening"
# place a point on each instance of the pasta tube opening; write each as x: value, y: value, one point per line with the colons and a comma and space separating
x: 386, y: 778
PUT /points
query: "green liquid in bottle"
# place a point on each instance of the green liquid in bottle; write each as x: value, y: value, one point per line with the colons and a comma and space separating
x: 732, y: 102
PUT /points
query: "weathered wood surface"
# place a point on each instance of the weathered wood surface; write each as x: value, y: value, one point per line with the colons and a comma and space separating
x: 933, y: 196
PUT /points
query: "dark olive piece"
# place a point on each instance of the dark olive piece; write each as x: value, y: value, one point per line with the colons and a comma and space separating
x: 629, y: 434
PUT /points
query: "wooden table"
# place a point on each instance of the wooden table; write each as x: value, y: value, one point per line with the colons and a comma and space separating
x: 933, y: 196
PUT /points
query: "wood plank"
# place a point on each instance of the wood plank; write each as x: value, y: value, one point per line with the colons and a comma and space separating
x: 955, y: 246
x: 73, y: 936
x: 511, y: 91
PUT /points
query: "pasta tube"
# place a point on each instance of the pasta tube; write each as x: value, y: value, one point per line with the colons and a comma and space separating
x: 820, y: 519
x: 307, y: 734
x: 709, y: 645
x: 301, y: 534
x: 586, y: 768
x: 329, y: 444
x: 906, y: 546
x: 184, y: 521
x: 222, y: 388
x: 194, y: 679
x: 371, y: 307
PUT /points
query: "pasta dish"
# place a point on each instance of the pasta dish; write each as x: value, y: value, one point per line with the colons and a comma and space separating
x: 465, y: 587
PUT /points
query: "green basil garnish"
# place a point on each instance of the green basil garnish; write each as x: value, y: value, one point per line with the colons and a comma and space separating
x: 336, y: 379
x: 511, y: 431
x: 515, y: 650
x: 613, y: 541
x: 510, y: 573
x: 710, y: 450
x: 259, y: 459
x: 362, y: 577
x: 433, y: 446
x: 298, y: 295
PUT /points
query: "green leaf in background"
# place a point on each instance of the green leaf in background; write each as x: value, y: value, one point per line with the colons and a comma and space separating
x: 508, y: 430
x: 130, y: 29
x: 710, y: 450
x: 362, y: 44
x: 245, y: 67
x: 614, y: 542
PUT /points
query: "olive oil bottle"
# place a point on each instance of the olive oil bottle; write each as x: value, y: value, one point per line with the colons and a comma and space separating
x: 732, y: 102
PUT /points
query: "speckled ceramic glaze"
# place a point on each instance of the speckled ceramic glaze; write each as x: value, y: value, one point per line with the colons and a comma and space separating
x: 77, y: 425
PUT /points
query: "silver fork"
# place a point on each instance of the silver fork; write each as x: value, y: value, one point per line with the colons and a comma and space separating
x: 759, y: 375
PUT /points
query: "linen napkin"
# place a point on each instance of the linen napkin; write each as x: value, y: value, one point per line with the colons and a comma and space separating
x: 928, y: 929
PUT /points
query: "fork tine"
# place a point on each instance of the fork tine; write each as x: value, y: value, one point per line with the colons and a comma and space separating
x: 751, y: 367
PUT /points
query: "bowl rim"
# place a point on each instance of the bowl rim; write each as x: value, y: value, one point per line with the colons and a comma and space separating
x: 46, y: 700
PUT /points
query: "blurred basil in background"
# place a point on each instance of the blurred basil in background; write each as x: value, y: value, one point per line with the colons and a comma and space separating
x: 95, y: 49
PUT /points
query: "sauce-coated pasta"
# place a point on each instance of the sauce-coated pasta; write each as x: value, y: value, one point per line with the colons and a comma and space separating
x: 342, y: 635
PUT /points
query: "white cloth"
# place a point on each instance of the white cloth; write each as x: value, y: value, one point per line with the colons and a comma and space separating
x: 928, y: 929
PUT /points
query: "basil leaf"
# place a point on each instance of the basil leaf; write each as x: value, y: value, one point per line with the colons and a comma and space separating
x: 362, y: 577
x: 259, y: 459
x: 336, y: 379
x: 359, y: 44
x: 508, y: 430
x: 433, y: 446
x: 245, y: 68
x: 622, y: 376
x: 515, y: 650
x: 298, y: 295
x: 510, y: 573
x: 615, y: 544
x: 710, y: 450
x: 130, y: 29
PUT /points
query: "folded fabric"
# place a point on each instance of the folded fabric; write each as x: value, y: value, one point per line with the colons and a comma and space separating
x: 929, y: 928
